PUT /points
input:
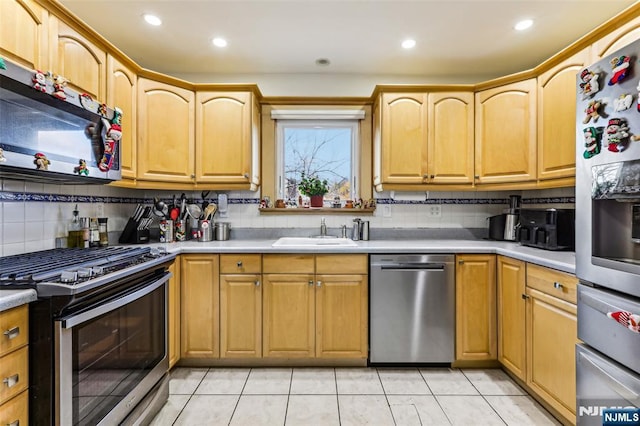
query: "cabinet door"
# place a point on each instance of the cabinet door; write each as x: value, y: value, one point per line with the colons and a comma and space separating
x: 341, y: 316
x: 450, y: 129
x: 23, y: 33
x: 224, y: 139
x: 165, y: 132
x: 79, y: 60
x: 404, y: 138
x: 240, y: 316
x: 476, y: 307
x: 122, y: 93
x: 556, y: 118
x: 511, y: 315
x: 506, y: 133
x: 620, y: 36
x: 288, y: 316
x: 16, y: 410
x: 173, y: 329
x: 551, y: 340
x: 199, y: 300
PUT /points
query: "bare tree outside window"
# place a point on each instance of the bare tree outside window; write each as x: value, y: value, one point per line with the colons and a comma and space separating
x: 322, y: 151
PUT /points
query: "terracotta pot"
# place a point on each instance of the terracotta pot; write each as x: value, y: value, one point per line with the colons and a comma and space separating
x: 316, y: 200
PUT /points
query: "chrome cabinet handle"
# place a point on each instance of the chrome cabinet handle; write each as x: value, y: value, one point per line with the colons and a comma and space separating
x: 246, y: 175
x: 558, y: 285
x: 12, y: 333
x: 257, y: 283
x: 239, y: 264
x: 525, y: 296
x: 14, y: 423
x: 310, y: 282
x: 11, y: 380
x: 193, y: 176
x: 460, y: 262
x: 318, y: 283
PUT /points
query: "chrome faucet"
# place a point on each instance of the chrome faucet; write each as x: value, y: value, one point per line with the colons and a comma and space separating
x: 323, y: 228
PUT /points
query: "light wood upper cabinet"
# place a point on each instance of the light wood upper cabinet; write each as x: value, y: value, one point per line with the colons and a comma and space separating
x: 173, y: 327
x: 505, y: 143
x: 619, y: 37
x: 165, y: 132
x: 402, y: 138
x: 511, y: 281
x: 227, y: 138
x: 476, y: 338
x: 450, y: 130
x: 122, y: 86
x: 551, y: 339
x: 199, y: 306
x: 78, y: 59
x: 23, y: 33
x: 557, y: 118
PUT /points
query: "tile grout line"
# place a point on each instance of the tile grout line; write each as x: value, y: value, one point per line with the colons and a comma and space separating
x: 435, y: 398
x: 286, y: 408
x: 190, y: 396
x: 485, y: 399
x: 240, y: 396
x: 386, y: 398
x: 335, y: 382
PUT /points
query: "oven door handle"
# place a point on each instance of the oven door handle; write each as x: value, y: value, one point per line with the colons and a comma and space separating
x: 615, y: 385
x: 75, y: 320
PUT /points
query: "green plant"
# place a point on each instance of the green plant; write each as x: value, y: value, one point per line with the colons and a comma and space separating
x: 312, y: 185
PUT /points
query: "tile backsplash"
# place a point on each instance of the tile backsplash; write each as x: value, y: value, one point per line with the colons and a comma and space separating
x: 33, y: 215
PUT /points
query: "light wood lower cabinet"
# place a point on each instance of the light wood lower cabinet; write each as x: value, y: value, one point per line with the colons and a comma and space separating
x: 14, y: 365
x: 174, y: 313
x: 511, y: 279
x: 476, y: 307
x: 199, y: 306
x: 240, y: 316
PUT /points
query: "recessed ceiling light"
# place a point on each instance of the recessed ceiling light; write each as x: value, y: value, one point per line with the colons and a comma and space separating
x: 219, y: 42
x: 523, y: 25
x: 323, y: 62
x: 409, y: 43
x: 152, y: 20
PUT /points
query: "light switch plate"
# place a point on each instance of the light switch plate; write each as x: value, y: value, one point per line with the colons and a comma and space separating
x: 386, y: 210
x: 435, y: 210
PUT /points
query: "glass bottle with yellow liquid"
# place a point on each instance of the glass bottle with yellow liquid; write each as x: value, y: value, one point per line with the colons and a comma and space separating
x: 75, y: 235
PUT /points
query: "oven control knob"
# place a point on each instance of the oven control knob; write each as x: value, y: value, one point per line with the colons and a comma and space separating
x: 84, y: 273
x: 97, y: 270
x: 69, y: 276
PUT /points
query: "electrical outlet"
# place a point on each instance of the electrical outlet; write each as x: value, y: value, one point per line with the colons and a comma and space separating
x: 386, y: 210
x: 435, y: 210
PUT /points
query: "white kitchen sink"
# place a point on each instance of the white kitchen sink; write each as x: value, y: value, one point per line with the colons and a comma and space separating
x: 314, y: 242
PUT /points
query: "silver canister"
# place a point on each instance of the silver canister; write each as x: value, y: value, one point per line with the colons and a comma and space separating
x: 166, y: 231
x: 223, y: 230
x: 364, y: 233
x: 205, y: 231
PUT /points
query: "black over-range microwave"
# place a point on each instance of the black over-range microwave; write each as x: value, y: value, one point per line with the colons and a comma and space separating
x: 49, y: 133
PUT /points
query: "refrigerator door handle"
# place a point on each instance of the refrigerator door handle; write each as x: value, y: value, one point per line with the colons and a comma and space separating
x: 615, y: 385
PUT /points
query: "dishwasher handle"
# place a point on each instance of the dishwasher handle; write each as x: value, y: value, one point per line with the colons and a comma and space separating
x: 436, y: 267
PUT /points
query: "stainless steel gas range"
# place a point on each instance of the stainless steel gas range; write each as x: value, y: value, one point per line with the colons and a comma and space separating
x: 97, y: 333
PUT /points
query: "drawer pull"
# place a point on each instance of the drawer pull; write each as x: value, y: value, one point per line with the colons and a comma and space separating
x: 525, y: 296
x: 557, y: 285
x: 239, y: 264
x: 319, y: 283
x: 257, y: 283
x: 12, y: 333
x: 14, y: 423
x: 310, y: 282
x: 11, y: 381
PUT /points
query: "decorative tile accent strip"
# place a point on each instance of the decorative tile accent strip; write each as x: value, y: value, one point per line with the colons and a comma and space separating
x: 7, y: 196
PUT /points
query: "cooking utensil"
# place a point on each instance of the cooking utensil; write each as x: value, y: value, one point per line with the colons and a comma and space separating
x: 183, y: 205
x: 160, y: 208
x: 194, y: 211
x: 205, y: 203
x: 210, y: 211
x: 174, y: 214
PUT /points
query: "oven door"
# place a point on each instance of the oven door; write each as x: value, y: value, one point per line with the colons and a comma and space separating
x: 109, y: 355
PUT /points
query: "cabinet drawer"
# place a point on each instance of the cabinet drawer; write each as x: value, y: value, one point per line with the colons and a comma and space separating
x: 288, y: 264
x: 341, y: 264
x: 14, y: 329
x: 16, y: 410
x: 14, y: 373
x: 552, y: 282
x: 240, y: 263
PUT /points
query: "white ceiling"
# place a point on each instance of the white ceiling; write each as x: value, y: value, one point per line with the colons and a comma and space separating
x: 461, y: 40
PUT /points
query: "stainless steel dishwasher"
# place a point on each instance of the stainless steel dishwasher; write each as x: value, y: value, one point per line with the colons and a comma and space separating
x: 412, y: 308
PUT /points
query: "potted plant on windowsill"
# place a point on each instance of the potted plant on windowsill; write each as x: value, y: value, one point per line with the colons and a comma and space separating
x: 314, y: 188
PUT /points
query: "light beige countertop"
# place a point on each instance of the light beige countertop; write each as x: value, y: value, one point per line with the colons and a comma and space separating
x: 561, y: 260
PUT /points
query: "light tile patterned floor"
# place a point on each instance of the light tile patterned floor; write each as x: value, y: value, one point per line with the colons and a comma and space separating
x: 348, y: 397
